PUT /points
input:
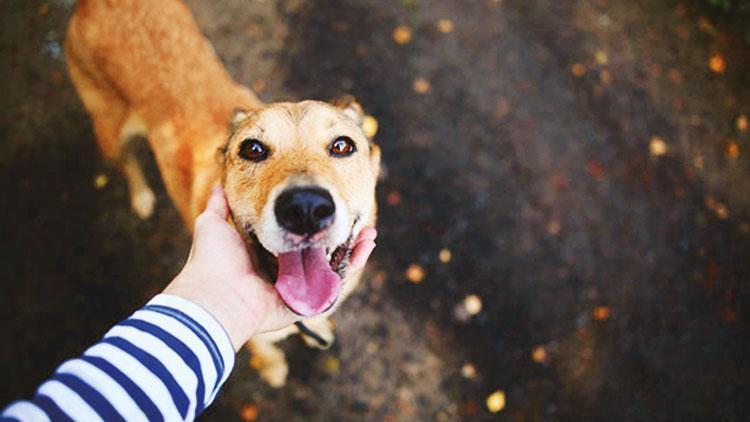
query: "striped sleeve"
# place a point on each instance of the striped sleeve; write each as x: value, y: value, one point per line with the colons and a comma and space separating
x: 165, y: 362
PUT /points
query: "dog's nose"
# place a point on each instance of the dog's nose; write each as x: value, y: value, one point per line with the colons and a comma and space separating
x: 305, y: 211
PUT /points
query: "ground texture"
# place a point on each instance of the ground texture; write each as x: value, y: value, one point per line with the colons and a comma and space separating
x: 581, y: 167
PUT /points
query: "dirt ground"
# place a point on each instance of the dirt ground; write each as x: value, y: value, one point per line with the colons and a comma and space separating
x: 579, y: 167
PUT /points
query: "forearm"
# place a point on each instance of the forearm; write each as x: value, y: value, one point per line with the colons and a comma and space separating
x: 165, y: 362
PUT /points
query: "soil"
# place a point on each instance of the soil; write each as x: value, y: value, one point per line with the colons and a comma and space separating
x: 578, y: 167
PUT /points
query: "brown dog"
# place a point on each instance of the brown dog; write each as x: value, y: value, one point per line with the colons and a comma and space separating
x: 300, y: 177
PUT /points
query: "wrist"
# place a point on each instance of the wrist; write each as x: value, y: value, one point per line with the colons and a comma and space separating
x: 228, y: 307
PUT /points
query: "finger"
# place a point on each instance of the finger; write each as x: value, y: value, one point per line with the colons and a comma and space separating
x: 217, y: 203
x: 360, y: 254
x: 367, y: 233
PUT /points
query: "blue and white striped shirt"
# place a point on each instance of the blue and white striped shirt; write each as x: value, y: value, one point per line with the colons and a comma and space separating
x: 166, y: 362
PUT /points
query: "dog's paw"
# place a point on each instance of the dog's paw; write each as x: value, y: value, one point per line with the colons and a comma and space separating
x: 274, y: 373
x: 143, y: 203
x: 324, y: 329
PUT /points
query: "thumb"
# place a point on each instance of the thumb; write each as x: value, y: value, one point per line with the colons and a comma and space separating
x: 217, y: 203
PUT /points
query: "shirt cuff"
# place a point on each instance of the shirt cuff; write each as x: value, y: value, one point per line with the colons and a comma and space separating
x: 204, y: 318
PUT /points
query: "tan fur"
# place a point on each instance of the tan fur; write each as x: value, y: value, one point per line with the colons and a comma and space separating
x: 142, y: 67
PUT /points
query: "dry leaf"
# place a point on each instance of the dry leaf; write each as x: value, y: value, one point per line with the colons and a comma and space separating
x: 716, y: 63
x: 473, y: 304
x: 369, y: 126
x: 402, y: 35
x: 601, y: 313
x: 445, y: 26
x: 445, y: 255
x: 496, y: 401
x: 657, y: 147
x: 415, y: 273
x: 578, y: 70
x: 421, y: 86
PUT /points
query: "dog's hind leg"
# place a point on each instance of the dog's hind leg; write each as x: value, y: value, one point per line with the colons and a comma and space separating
x: 115, y: 125
x: 142, y: 198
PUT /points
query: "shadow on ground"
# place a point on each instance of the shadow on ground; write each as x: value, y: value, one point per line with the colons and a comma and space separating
x: 612, y: 278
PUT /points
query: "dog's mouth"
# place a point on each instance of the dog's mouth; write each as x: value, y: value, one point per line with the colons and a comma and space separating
x: 308, y: 279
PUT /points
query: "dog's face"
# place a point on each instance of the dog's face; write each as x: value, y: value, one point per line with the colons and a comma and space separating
x: 300, y: 178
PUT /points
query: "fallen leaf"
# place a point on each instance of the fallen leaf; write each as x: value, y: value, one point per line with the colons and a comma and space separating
x: 421, y: 86
x: 473, y: 304
x: 716, y: 63
x: 553, y: 227
x: 249, y: 412
x: 496, y: 401
x: 394, y: 198
x: 539, y: 354
x: 578, y: 70
x: 742, y: 123
x: 706, y: 26
x: 698, y: 162
x: 601, y: 313
x: 100, y: 181
x: 415, y: 273
x: 332, y: 364
x: 445, y: 26
x: 369, y: 126
x: 596, y: 170
x: 445, y: 255
x: 606, y: 77
x: 402, y: 35
x: 468, y: 371
x: 732, y: 149
x: 675, y: 76
x: 503, y: 107
x: 657, y: 147
x: 601, y: 58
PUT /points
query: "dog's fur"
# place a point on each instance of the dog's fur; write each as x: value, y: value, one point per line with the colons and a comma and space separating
x: 143, y: 68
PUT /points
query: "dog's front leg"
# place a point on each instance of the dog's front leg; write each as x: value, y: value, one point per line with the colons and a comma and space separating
x: 322, y: 327
x: 268, y: 358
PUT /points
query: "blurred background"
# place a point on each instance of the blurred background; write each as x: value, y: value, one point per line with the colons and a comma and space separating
x: 565, y: 211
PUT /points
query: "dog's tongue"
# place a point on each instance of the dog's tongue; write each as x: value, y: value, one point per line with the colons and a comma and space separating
x: 306, y: 282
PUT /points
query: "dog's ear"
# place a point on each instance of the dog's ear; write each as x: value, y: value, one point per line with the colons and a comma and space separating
x: 238, y: 116
x: 352, y: 109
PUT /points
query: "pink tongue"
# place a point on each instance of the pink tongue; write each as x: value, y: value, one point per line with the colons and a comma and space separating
x: 306, y: 282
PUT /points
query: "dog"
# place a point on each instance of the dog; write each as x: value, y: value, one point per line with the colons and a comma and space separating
x: 300, y: 177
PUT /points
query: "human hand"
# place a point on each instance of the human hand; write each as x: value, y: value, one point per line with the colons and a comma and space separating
x: 219, y: 276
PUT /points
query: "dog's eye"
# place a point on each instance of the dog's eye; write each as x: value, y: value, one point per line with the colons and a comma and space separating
x: 343, y: 146
x: 253, y: 150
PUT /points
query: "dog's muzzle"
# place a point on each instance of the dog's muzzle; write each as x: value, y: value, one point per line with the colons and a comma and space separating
x: 305, y: 211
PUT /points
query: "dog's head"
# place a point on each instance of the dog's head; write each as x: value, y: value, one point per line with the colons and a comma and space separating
x: 300, y: 180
